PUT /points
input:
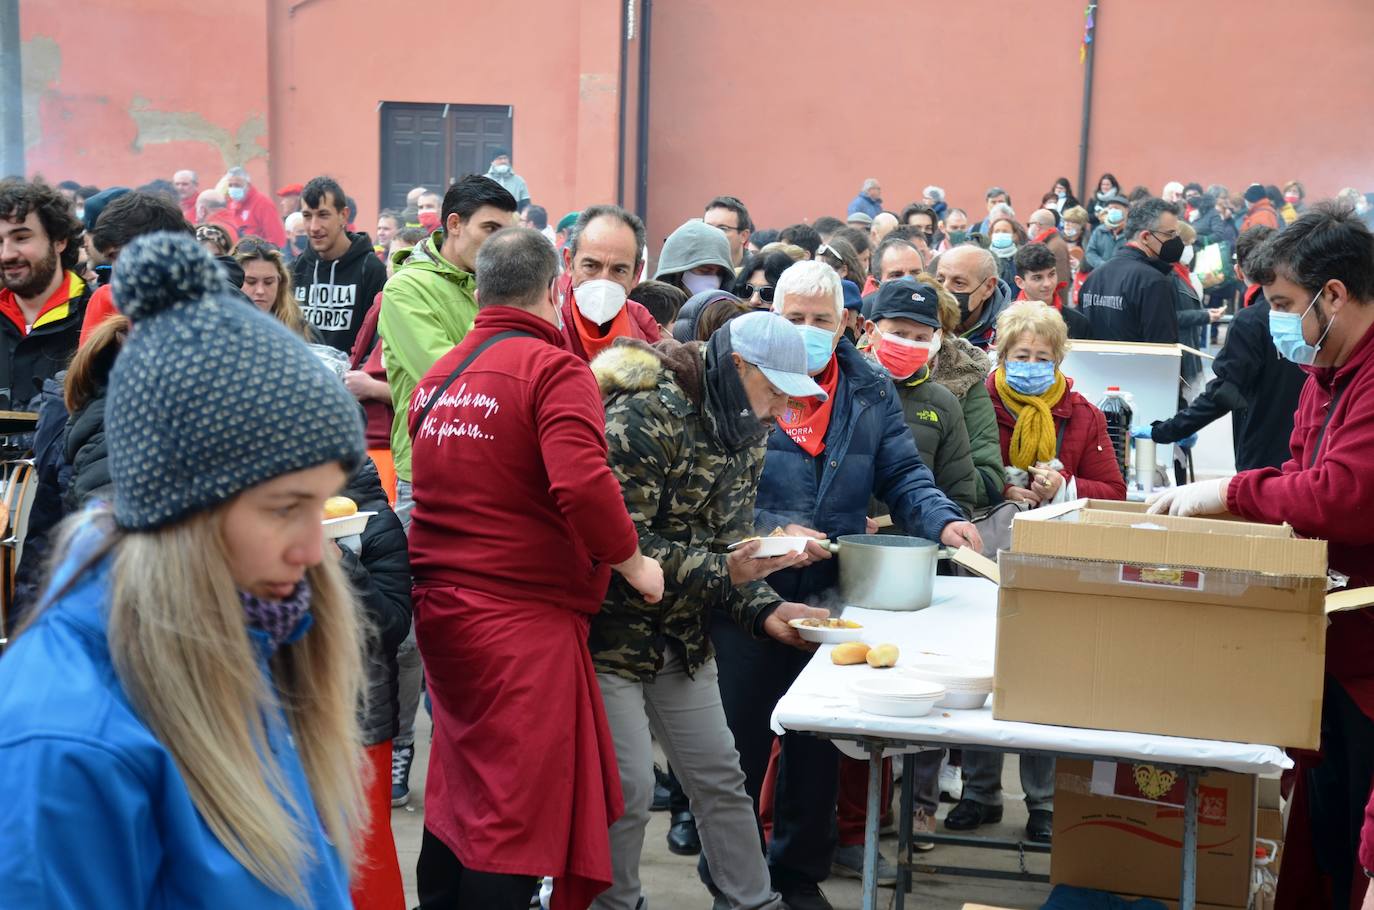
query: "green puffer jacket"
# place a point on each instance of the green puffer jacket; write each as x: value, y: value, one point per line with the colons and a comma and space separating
x: 937, y: 423
x: 962, y: 368
x: 689, y: 497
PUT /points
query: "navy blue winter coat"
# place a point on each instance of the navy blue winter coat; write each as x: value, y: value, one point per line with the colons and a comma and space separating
x: 869, y: 452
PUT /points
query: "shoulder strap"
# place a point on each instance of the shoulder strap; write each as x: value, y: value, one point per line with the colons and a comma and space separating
x: 467, y: 362
x: 1321, y: 434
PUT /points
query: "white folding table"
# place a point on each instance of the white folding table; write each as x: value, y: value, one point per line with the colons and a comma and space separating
x: 961, y: 622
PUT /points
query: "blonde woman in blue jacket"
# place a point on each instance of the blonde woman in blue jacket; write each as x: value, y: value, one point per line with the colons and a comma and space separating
x: 178, y: 720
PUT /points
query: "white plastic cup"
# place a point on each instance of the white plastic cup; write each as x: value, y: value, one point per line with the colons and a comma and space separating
x: 1145, y: 464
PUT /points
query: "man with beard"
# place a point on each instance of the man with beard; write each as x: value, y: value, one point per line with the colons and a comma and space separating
x: 42, y: 298
x: 337, y: 277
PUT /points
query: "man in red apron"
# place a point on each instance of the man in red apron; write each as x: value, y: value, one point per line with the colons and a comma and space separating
x: 518, y: 524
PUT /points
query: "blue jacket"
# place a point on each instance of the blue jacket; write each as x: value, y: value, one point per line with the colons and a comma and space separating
x: 869, y: 452
x: 96, y: 813
x: 863, y: 204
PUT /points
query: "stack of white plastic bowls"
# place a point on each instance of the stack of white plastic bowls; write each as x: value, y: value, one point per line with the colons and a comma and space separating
x: 896, y: 696
x: 967, y: 683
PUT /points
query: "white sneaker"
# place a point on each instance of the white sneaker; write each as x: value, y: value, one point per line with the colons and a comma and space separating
x: 951, y: 784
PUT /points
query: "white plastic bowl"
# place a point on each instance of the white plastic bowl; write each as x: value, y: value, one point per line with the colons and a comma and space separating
x: 826, y: 636
x: 776, y: 546
x: 335, y: 528
x: 896, y: 696
x: 964, y: 701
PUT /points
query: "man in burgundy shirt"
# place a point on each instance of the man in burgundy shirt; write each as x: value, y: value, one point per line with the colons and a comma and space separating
x: 517, y: 526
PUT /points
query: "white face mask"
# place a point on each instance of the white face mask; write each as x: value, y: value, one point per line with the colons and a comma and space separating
x: 599, y: 300
x: 695, y: 283
x: 1187, y: 257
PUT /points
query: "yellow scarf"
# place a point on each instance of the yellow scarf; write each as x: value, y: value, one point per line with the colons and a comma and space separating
x: 1032, y: 439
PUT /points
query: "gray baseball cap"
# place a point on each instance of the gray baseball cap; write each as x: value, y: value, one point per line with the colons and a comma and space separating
x: 774, y: 345
x: 859, y: 217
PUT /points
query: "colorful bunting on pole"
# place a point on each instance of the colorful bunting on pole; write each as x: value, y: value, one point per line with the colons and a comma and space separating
x: 1089, y: 23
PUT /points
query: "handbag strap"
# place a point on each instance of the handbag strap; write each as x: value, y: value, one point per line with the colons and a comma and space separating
x: 458, y: 371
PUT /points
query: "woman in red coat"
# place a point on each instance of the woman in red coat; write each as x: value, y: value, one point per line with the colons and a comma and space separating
x: 1050, y: 434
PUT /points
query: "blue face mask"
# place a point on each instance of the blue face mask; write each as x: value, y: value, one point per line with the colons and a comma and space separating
x: 820, y: 345
x: 1115, y: 216
x: 1288, y: 338
x: 237, y: 193
x: 1030, y: 378
x: 1002, y: 241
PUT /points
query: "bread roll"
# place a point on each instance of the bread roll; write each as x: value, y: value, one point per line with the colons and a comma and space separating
x: 882, y: 656
x: 339, y: 507
x: 851, y: 652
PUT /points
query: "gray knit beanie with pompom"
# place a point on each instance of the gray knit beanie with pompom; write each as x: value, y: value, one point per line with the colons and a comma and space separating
x: 210, y: 396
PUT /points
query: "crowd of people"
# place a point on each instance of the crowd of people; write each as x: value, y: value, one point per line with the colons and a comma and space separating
x: 204, y: 702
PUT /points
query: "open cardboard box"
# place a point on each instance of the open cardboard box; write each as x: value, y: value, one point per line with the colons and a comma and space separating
x: 1111, y: 619
x: 1119, y: 827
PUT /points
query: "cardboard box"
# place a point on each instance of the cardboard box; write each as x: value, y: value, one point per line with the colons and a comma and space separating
x: 1114, y: 620
x: 1131, y: 842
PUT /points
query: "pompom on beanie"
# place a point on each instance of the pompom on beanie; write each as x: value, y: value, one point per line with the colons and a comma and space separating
x: 209, y: 396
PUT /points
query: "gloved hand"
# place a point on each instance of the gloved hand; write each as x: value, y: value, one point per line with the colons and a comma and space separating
x: 1206, y: 497
x: 1145, y: 432
x: 1188, y: 441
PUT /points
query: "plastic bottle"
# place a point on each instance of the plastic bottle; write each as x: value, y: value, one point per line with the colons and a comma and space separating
x: 1115, y: 406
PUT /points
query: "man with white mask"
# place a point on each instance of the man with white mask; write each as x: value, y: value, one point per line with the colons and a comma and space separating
x: 696, y: 258
x: 601, y: 263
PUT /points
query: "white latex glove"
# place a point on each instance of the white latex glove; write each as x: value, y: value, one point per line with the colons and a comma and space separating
x: 1206, y: 497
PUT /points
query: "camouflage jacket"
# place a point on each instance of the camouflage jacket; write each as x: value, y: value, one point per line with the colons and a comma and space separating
x: 689, y: 497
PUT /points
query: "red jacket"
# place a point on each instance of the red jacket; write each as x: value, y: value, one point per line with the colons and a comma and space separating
x: 367, y: 356
x: 256, y: 216
x: 642, y: 323
x: 540, y: 514
x: 517, y: 520
x: 188, y: 208
x: 1086, y: 452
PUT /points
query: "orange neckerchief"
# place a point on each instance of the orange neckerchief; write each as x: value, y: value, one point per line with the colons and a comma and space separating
x: 807, y: 419
x: 593, y: 345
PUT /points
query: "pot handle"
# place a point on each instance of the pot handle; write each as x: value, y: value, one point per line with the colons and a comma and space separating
x: 830, y: 545
x: 946, y: 552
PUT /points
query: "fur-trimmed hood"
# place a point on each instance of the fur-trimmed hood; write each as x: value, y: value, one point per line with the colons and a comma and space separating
x: 631, y: 365
x: 960, y: 366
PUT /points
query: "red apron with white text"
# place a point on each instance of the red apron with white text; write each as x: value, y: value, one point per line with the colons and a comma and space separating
x: 522, y: 772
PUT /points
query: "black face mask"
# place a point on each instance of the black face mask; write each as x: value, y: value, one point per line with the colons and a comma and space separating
x: 1171, y: 250
x: 964, y: 304
x: 103, y: 274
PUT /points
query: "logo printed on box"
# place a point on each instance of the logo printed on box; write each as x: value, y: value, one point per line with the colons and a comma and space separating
x: 1164, y: 577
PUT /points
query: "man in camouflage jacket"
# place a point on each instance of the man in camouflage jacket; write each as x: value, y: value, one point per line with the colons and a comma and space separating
x: 685, y: 427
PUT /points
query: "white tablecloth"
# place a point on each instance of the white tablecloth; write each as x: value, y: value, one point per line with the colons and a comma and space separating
x: 962, y: 622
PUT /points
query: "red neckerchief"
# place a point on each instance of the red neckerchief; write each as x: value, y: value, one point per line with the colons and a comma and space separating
x: 1252, y: 292
x: 593, y: 345
x: 807, y: 419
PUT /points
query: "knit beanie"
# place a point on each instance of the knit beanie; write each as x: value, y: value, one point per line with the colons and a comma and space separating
x: 695, y: 243
x: 209, y: 396
x: 1254, y: 193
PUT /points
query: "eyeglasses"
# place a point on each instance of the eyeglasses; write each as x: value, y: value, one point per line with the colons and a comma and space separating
x: 765, y: 292
x: 725, y: 228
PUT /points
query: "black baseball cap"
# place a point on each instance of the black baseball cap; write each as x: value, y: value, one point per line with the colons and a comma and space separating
x: 907, y: 298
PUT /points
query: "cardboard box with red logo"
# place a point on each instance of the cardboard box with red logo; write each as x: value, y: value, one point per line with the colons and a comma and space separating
x: 1115, y: 620
x: 1119, y: 827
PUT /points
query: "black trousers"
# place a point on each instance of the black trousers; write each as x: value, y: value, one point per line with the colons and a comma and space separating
x: 443, y: 884
x: 1338, y: 789
x: 677, y: 798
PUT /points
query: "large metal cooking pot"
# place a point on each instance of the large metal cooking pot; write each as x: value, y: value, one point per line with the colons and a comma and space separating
x: 887, y: 571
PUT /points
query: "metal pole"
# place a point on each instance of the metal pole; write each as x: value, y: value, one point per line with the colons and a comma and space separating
x: 646, y: 18
x: 11, y: 92
x: 626, y: 29
x: 875, y: 811
x: 904, y: 830
x: 1188, y: 892
x: 1094, y: 10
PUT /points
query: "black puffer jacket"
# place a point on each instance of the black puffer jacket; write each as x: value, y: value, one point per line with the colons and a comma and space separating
x: 88, y: 455
x: 380, y: 574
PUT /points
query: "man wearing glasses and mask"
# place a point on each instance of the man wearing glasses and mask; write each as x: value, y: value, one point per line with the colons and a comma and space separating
x: 1130, y: 298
